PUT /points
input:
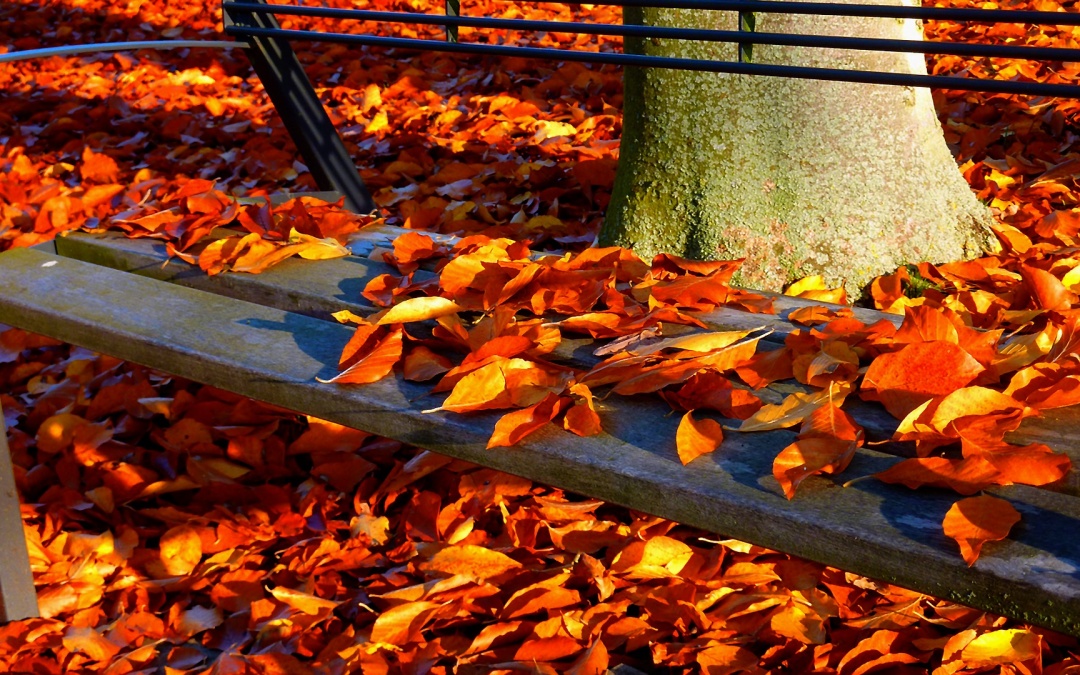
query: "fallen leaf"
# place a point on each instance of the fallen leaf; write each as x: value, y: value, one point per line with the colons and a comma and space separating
x: 974, y: 521
x: 180, y: 550
x: 419, y: 309
x: 695, y: 438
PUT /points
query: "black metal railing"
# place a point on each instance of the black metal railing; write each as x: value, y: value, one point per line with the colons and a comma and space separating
x: 744, y: 38
x: 255, y: 21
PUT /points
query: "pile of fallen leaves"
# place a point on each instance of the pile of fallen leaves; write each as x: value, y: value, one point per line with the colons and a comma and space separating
x: 177, y: 528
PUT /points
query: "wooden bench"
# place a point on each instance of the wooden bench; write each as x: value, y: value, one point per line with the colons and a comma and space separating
x: 269, y: 337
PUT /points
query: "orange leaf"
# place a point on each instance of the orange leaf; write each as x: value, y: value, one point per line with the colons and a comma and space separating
x: 976, y: 520
x: 503, y: 383
x: 887, y: 289
x: 422, y: 364
x: 722, y: 659
x: 359, y: 345
x: 514, y: 426
x: 905, y: 379
x: 376, y: 365
x: 697, y: 437
x: 413, y: 247
x: 966, y: 476
x: 809, y: 456
x: 1046, y: 290
x: 99, y: 168
x: 92, y: 644
x: 304, y: 602
x: 546, y: 649
x: 473, y: 561
x: 765, y: 368
x: 1034, y: 464
x: 711, y: 390
x: 926, y: 324
x: 815, y: 314
x: 593, y: 662
x: 792, y: 410
x: 829, y: 421
x: 581, y: 418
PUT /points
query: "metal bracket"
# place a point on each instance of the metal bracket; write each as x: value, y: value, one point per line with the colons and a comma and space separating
x: 305, y: 119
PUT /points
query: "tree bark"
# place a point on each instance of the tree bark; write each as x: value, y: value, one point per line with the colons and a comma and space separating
x: 800, y: 177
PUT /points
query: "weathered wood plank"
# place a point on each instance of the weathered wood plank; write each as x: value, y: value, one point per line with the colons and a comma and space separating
x: 326, y: 286
x: 320, y: 287
x: 881, y: 531
x: 17, y: 597
x: 294, y: 285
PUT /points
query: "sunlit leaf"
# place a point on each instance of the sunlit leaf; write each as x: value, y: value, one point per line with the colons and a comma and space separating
x: 976, y: 520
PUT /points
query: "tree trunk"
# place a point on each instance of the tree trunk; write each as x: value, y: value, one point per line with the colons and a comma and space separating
x: 799, y: 176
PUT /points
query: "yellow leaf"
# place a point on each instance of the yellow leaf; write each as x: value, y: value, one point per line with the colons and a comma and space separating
x: 815, y: 288
x: 1000, y: 647
x: 379, y: 123
x: 543, y: 223
x: 180, y: 550
x: 1072, y: 279
x: 57, y: 432
x: 696, y: 342
x: 317, y: 249
x: 420, y: 309
x: 546, y: 129
x: 792, y: 410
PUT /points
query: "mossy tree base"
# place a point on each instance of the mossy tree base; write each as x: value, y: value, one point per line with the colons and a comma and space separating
x: 799, y: 176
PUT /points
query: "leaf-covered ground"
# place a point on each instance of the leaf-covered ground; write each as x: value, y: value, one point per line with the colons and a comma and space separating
x: 177, y: 528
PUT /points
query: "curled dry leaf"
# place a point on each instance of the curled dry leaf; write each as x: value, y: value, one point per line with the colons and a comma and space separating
x: 514, y: 426
x: 809, y: 456
x: 976, y: 520
x: 376, y: 364
x: 792, y: 410
x: 582, y: 418
x: 695, y: 438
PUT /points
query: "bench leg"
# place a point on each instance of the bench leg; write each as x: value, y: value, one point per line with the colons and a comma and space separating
x: 17, y: 597
x: 305, y: 119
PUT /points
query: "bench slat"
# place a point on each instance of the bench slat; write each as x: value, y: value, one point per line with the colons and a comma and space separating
x: 326, y: 286
x: 877, y: 530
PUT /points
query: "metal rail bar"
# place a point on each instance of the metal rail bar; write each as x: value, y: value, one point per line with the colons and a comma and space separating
x: 767, y: 6
x: 870, y: 11
x: 71, y: 50
x: 708, y: 35
x: 799, y: 72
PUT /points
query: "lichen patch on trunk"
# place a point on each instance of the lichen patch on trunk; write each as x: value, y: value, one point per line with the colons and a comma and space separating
x: 799, y: 176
